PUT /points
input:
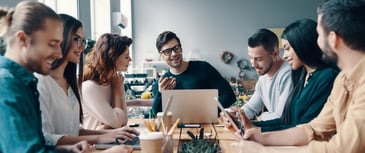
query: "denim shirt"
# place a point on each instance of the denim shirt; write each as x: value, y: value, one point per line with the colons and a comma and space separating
x: 21, y: 124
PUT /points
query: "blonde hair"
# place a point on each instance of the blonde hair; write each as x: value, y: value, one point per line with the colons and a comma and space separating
x: 28, y: 16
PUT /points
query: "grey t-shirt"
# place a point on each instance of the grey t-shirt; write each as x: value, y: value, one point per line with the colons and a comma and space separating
x: 270, y: 92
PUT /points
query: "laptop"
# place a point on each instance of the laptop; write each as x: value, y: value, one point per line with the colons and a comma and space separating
x: 135, y: 144
x: 192, y: 105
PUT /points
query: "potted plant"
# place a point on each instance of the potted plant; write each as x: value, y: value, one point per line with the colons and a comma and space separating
x: 199, y: 144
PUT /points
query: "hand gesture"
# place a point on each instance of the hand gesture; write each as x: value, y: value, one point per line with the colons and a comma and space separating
x: 117, y: 80
x: 167, y: 83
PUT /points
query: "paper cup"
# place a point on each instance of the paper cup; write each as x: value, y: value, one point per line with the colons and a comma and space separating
x: 151, y: 142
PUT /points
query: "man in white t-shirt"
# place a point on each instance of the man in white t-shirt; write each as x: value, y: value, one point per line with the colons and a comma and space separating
x: 274, y: 84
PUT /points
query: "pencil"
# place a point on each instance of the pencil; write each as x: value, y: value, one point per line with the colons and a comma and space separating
x: 163, y: 126
x: 146, y: 123
x: 172, y: 130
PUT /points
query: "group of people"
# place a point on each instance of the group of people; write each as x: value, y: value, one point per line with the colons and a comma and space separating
x: 339, y: 125
x: 42, y: 101
x: 312, y: 96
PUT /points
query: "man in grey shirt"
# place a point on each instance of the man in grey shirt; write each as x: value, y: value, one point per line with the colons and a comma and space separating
x: 274, y: 84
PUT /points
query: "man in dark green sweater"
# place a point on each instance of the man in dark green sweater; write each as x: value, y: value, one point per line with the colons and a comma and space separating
x: 187, y: 74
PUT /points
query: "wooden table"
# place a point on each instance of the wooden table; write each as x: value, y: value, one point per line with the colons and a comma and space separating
x: 224, y: 136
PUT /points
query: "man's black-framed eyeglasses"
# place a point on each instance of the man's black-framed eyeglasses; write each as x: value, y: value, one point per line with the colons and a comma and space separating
x: 168, y: 51
x: 81, y: 43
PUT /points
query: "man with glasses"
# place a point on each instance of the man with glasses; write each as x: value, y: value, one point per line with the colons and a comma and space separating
x: 186, y: 74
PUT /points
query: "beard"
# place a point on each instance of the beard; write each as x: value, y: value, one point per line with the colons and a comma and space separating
x: 264, y: 70
x: 329, y: 56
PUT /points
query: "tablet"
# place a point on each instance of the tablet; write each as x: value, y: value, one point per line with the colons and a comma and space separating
x: 234, y: 124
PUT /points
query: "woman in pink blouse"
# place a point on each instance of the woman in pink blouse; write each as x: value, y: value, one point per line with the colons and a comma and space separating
x: 102, y: 88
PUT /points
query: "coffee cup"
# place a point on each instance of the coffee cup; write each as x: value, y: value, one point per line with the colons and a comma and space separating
x: 156, y: 142
x: 151, y: 142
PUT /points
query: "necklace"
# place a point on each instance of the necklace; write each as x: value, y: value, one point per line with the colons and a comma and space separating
x: 309, y: 75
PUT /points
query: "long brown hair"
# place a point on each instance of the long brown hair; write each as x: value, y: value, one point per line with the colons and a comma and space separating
x: 71, y: 25
x: 100, y: 62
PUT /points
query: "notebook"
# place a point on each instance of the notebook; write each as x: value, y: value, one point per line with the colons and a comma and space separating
x: 192, y: 105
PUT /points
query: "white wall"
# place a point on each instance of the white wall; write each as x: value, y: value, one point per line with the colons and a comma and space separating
x: 206, y: 27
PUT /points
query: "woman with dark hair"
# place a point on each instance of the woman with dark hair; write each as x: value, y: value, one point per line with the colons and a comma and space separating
x: 102, y: 87
x: 60, y: 98
x: 312, y: 77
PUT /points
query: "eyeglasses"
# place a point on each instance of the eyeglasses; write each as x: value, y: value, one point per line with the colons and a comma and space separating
x: 168, y: 51
x: 81, y: 43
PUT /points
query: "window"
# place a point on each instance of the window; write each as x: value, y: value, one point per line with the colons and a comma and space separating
x: 69, y: 7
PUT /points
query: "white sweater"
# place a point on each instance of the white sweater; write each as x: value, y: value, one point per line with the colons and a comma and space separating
x: 97, y: 107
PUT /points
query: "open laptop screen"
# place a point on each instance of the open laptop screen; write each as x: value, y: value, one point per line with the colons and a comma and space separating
x: 192, y: 105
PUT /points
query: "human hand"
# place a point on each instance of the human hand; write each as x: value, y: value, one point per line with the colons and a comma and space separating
x: 245, y: 146
x: 119, y: 149
x: 80, y: 147
x: 167, y: 83
x: 117, y: 80
x: 253, y: 134
x: 112, y: 135
x: 127, y: 129
x: 245, y: 121
x: 225, y: 120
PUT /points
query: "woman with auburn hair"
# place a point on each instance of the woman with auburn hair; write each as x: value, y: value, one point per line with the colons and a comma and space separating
x: 102, y: 87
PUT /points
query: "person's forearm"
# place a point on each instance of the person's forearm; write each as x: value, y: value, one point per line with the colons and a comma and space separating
x: 91, y: 132
x: 290, y: 137
x: 70, y: 140
x: 118, y: 97
x: 285, y: 149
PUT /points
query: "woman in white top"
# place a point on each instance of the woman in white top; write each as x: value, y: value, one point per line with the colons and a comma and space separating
x: 60, y: 98
x: 102, y: 87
